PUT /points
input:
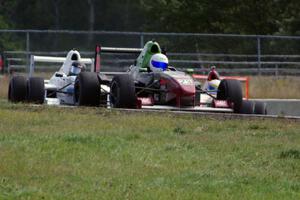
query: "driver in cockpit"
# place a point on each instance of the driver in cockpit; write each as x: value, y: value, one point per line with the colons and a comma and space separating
x: 76, y: 68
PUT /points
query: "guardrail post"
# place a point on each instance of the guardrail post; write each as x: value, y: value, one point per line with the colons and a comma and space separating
x: 259, y: 55
x: 141, y: 40
x: 31, y: 68
x: 276, y: 70
x: 27, y: 50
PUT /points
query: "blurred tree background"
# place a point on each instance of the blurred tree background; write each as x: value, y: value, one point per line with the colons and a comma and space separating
x: 258, y: 17
x: 204, y: 16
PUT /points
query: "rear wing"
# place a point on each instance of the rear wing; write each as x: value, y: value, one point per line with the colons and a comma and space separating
x: 99, y: 50
x: 52, y: 59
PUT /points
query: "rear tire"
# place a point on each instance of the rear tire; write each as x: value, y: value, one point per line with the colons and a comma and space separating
x: 231, y: 90
x: 122, y: 92
x: 87, y: 89
x: 260, y: 108
x: 247, y: 107
x: 17, y: 90
x: 36, y: 90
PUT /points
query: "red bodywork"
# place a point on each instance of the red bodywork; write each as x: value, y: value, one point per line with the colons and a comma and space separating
x: 179, y: 87
x: 184, y: 89
x: 97, y: 62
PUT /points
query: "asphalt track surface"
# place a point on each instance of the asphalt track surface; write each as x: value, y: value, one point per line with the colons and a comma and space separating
x: 217, y: 115
x: 212, y: 114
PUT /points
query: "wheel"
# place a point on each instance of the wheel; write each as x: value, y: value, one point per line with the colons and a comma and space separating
x: 87, y: 89
x: 36, y: 90
x: 122, y: 92
x: 260, y: 108
x: 247, y: 107
x: 231, y: 90
x: 17, y: 90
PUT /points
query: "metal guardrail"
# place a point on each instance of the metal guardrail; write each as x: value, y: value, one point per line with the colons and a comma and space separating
x: 18, y: 63
x: 258, y: 62
x: 148, y: 33
x: 244, y: 71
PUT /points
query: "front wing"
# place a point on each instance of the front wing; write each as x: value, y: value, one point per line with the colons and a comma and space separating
x: 195, y: 109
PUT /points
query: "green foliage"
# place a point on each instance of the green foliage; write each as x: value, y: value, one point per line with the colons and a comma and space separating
x: 204, y: 16
x: 8, y: 41
x: 215, y: 16
x: 3, y: 24
x: 201, y: 16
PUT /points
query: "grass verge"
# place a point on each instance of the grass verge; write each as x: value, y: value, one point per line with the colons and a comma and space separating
x: 284, y: 87
x: 93, y: 153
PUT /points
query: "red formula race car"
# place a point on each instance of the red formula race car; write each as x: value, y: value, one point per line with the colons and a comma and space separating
x: 150, y: 83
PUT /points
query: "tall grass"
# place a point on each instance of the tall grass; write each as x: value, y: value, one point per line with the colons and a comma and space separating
x: 285, y: 87
x: 93, y: 153
x: 4, y: 81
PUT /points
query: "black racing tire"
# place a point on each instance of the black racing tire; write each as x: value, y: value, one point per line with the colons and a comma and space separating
x: 260, y: 108
x: 36, y: 90
x: 87, y: 89
x: 122, y: 92
x: 247, y: 107
x: 17, y: 89
x: 231, y: 90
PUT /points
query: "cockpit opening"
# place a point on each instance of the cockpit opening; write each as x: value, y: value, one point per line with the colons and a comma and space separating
x: 74, y: 57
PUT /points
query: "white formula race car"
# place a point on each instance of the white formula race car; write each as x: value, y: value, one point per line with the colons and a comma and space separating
x: 60, y: 88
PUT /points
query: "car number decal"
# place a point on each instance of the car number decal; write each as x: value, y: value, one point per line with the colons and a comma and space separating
x: 185, y: 81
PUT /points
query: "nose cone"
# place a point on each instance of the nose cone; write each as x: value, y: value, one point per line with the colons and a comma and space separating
x: 184, y: 84
x: 185, y: 91
x: 187, y: 86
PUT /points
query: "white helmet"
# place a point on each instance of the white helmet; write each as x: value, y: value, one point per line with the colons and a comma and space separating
x: 75, y: 68
x: 159, y: 62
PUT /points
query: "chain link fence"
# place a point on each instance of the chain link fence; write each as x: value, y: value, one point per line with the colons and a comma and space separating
x: 232, y: 54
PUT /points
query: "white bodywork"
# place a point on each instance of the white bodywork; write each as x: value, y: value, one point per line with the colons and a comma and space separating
x: 196, y: 108
x: 211, y: 87
x: 72, y: 56
x: 61, y: 82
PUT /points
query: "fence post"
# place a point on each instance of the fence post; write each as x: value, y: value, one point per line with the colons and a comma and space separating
x: 141, y: 40
x: 259, y: 55
x: 276, y: 70
x: 31, y: 66
x: 27, y: 51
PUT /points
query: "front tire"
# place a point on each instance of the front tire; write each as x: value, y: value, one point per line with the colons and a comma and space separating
x: 36, y: 90
x: 17, y: 90
x: 87, y: 89
x: 247, y: 107
x: 231, y: 90
x: 122, y: 92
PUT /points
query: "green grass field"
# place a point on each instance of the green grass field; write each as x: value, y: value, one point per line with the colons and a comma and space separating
x: 94, y: 153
